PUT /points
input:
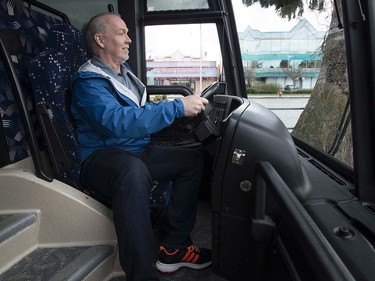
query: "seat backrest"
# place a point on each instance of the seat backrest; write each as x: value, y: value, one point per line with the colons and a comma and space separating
x: 31, y: 28
x: 50, y: 73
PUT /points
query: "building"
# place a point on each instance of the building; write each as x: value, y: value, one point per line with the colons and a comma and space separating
x: 285, y: 58
x: 179, y: 69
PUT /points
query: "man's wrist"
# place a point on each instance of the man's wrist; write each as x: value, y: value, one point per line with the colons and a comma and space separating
x: 180, y: 109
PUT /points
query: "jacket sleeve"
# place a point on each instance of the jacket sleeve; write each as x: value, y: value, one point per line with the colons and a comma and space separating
x: 95, y: 101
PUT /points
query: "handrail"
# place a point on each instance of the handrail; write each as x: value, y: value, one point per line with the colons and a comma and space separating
x: 25, y: 116
x: 159, y: 90
x: 321, y: 254
x: 4, y: 154
x: 341, y: 130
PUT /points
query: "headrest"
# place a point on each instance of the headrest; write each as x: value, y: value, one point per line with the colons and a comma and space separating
x: 68, y: 40
x: 63, y: 37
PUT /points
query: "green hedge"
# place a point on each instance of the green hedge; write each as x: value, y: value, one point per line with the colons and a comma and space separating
x: 263, y: 88
x: 272, y: 89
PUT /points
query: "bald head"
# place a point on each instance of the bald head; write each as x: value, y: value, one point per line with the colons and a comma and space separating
x: 97, y: 25
x: 107, y: 38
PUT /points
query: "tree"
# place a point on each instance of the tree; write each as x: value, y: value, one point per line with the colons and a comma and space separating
x: 310, y: 64
x: 249, y: 76
x: 332, y: 131
x: 294, y: 73
x: 250, y: 73
x: 289, y: 8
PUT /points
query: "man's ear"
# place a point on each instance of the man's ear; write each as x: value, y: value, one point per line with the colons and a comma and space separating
x: 99, y: 40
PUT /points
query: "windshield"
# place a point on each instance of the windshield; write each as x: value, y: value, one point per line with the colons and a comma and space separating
x: 297, y: 68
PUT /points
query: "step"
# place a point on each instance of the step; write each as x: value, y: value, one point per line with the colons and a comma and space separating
x: 55, y: 264
x: 11, y: 224
x: 18, y: 236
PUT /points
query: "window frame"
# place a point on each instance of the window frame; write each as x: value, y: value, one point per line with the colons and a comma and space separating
x: 137, y: 17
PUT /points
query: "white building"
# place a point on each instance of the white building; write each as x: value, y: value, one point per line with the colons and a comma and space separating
x: 179, y: 69
x: 267, y: 55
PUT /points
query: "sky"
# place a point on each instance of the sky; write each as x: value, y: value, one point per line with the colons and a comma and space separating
x: 267, y: 20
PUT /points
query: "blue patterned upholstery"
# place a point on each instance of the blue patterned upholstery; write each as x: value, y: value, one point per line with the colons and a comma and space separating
x: 32, y: 28
x: 50, y: 72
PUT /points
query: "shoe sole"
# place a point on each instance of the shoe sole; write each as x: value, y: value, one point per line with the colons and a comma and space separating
x: 169, y: 268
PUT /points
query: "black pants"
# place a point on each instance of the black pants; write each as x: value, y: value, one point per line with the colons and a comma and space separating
x: 127, y: 179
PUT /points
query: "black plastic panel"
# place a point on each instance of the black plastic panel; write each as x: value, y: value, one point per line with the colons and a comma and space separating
x: 265, y: 235
x: 251, y: 134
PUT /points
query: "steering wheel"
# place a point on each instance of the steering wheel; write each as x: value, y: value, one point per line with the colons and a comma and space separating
x: 188, y: 124
x: 210, y: 90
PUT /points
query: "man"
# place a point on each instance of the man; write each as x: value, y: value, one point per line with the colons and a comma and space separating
x: 114, y: 123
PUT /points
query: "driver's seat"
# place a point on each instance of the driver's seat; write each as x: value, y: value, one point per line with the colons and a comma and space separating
x: 50, y: 75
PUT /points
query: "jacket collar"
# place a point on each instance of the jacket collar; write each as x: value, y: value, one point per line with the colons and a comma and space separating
x: 120, y: 88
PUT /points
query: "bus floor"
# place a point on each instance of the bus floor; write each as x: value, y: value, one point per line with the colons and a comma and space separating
x: 202, y: 237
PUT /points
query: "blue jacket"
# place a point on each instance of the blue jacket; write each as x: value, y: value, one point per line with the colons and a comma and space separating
x: 107, y: 114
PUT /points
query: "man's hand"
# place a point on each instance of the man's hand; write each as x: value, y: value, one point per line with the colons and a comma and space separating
x: 194, y: 105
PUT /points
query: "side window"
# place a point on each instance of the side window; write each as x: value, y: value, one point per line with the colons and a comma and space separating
x: 297, y: 68
x: 183, y: 55
x: 80, y: 12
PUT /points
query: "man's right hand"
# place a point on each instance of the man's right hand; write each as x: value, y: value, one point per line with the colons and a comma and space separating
x: 194, y: 105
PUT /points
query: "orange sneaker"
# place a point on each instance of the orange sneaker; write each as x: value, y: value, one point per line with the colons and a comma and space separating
x: 170, y: 260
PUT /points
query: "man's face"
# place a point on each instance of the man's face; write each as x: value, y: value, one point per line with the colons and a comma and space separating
x: 116, y: 40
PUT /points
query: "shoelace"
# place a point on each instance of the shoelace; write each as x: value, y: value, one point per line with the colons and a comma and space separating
x: 193, y: 248
x: 190, y: 249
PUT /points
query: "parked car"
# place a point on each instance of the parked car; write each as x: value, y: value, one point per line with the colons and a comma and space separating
x: 290, y: 87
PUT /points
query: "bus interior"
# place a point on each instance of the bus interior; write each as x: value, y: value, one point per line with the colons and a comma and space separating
x: 272, y: 206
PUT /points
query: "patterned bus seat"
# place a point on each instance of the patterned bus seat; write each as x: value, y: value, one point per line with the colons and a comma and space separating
x: 32, y: 28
